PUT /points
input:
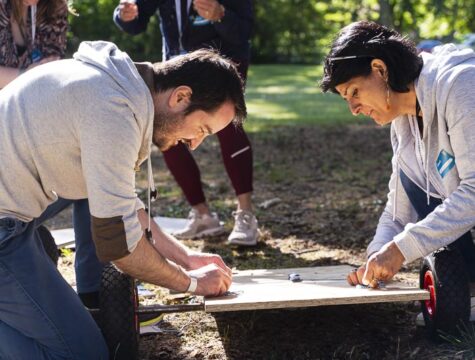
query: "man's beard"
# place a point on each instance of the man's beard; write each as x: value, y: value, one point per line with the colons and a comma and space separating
x: 165, y: 125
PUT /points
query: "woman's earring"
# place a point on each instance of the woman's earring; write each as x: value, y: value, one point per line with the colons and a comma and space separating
x: 388, y: 104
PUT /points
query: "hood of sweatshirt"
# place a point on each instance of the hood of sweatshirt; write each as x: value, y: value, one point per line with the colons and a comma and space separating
x: 434, y: 82
x: 118, y: 65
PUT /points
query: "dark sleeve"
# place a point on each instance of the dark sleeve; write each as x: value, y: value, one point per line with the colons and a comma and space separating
x: 236, y: 25
x: 52, y: 34
x: 146, y: 8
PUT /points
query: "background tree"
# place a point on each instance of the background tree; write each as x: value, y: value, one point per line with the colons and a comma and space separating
x: 291, y: 31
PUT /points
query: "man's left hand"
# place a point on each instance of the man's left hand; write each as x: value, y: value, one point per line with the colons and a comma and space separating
x: 209, y: 9
x: 199, y: 260
x: 383, y: 265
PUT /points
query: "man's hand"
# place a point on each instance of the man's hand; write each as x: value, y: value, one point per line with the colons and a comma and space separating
x: 209, y: 9
x: 355, y: 277
x: 128, y: 10
x: 212, y: 280
x: 383, y: 265
x: 198, y: 260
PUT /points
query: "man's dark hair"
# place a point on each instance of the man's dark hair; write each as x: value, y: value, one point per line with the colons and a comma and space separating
x: 364, y: 41
x: 212, y: 78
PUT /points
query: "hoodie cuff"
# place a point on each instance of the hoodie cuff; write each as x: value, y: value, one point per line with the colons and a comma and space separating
x: 139, y: 205
x: 372, y: 248
x: 408, y: 247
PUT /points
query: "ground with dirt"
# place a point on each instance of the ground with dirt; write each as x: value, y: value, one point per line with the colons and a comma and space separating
x: 332, y: 183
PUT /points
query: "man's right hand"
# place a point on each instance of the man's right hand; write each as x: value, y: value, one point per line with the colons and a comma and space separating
x: 212, y: 280
x: 128, y: 10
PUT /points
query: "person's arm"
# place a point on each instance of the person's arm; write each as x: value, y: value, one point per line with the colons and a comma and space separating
x: 233, y: 25
x: 146, y: 264
x: 171, y: 249
x: 8, y: 74
x: 144, y: 10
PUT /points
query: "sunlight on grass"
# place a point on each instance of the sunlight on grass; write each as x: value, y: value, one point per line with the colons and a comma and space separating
x: 290, y: 95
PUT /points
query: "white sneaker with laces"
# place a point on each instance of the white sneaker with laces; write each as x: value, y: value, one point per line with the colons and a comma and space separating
x: 245, y: 231
x: 199, y: 226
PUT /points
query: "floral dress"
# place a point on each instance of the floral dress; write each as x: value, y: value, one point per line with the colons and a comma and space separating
x: 50, y: 38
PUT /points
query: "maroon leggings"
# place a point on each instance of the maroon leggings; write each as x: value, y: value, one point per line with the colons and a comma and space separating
x: 237, y: 157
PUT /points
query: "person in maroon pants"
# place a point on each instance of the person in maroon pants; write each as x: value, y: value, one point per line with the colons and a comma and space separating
x: 187, y: 25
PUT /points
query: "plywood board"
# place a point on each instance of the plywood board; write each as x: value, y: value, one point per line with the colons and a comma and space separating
x: 65, y: 237
x: 325, y: 285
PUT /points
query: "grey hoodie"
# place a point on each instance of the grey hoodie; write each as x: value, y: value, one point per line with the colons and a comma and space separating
x: 443, y: 163
x: 77, y: 129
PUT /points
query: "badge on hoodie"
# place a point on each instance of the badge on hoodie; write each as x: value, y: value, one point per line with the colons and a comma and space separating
x: 445, y: 162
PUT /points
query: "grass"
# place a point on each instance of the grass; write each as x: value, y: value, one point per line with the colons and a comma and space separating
x: 290, y: 95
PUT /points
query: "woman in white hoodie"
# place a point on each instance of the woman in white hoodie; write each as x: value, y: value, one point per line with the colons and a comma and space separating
x: 428, y: 100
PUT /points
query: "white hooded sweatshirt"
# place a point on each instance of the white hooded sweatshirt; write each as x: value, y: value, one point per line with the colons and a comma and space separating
x: 442, y: 163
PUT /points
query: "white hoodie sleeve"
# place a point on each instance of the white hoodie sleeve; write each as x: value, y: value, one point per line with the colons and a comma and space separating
x: 110, y: 143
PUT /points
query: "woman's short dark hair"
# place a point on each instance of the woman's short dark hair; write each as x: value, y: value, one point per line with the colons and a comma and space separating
x: 212, y: 78
x: 364, y: 41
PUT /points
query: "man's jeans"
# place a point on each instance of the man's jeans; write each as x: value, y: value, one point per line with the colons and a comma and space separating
x: 41, y: 317
x: 86, y: 264
x: 418, y: 199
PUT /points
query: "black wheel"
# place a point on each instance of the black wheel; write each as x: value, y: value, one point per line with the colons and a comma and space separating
x: 118, y: 319
x: 445, y: 276
x: 48, y: 244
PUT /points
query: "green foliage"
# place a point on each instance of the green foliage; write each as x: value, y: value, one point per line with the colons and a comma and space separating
x: 94, y: 22
x: 290, y: 31
x: 289, y: 95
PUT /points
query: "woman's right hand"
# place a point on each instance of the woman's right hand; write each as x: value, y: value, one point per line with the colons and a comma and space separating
x: 128, y: 10
x: 355, y: 277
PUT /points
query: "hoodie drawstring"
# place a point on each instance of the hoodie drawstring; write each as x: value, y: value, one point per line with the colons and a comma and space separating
x: 397, y: 179
x: 151, y: 196
x: 426, y: 166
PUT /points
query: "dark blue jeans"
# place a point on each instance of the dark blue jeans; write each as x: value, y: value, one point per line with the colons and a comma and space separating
x: 41, y: 317
x: 418, y: 200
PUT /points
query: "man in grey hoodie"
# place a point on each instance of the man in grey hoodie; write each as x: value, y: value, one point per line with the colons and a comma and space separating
x: 80, y: 128
x: 429, y: 102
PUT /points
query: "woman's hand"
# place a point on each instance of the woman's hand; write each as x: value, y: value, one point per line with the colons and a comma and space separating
x: 355, y: 277
x: 383, y: 265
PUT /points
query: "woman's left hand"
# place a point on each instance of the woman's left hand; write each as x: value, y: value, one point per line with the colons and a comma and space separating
x: 383, y: 265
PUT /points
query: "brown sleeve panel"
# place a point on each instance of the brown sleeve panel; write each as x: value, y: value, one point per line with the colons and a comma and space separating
x: 109, y: 238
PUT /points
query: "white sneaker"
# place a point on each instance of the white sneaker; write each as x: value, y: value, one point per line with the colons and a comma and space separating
x: 245, y: 230
x: 200, y: 226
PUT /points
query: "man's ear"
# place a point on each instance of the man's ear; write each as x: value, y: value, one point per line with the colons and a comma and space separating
x: 380, y: 67
x: 180, y: 96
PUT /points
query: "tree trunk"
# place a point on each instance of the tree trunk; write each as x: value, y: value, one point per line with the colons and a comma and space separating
x: 386, y: 13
